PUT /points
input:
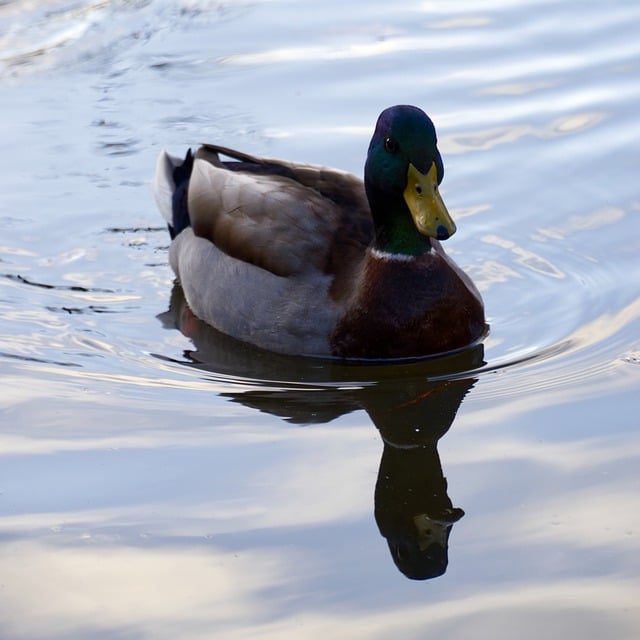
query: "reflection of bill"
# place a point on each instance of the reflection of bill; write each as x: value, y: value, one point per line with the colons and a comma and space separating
x: 411, y: 410
x: 433, y: 533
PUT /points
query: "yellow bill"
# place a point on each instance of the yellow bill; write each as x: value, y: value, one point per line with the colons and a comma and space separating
x: 427, y: 208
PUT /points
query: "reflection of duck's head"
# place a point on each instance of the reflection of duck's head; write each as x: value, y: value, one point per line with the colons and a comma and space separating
x: 412, y: 507
x: 420, y: 547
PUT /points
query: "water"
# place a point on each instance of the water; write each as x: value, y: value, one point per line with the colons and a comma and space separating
x: 160, y: 481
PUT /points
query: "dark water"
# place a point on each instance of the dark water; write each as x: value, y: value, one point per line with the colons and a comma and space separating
x: 160, y: 481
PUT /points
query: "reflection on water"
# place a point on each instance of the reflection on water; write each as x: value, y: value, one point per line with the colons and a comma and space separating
x: 412, y: 508
x: 526, y: 258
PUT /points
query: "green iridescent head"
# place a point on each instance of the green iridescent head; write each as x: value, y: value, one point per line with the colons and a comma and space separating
x: 402, y: 174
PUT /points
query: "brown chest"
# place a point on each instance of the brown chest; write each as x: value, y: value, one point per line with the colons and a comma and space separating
x: 406, y: 308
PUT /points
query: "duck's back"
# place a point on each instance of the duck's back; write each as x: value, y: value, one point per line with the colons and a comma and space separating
x: 268, y: 245
x: 283, y: 217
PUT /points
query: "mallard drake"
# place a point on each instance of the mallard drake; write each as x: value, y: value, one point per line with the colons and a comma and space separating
x: 307, y: 260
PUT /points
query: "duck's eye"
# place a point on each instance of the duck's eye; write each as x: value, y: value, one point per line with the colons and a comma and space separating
x: 390, y: 144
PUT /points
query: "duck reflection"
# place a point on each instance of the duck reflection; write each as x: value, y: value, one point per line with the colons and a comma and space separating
x: 412, y: 507
x: 412, y: 404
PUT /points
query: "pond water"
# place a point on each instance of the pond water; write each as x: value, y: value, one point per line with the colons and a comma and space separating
x: 160, y: 481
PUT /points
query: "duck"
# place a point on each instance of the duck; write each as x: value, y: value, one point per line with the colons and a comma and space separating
x: 307, y: 260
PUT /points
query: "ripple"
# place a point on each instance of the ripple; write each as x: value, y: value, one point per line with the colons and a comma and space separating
x: 58, y: 287
x: 41, y: 30
x: 632, y: 358
x: 119, y: 147
x: 602, y: 217
x: 573, y: 123
x: 526, y: 257
x: 580, y: 355
x: 34, y: 359
x: 485, y: 139
x: 587, y: 355
x: 90, y: 309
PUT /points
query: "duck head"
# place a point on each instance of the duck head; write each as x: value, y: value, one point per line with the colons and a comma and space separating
x: 401, y: 175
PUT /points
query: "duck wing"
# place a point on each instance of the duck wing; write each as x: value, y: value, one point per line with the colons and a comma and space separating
x: 284, y: 217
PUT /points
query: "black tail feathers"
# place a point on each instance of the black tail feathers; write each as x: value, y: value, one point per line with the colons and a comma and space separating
x: 180, y: 209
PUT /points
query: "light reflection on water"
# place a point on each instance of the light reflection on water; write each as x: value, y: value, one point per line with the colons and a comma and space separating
x: 157, y: 479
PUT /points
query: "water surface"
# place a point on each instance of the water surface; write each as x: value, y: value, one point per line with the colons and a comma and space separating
x: 161, y: 481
